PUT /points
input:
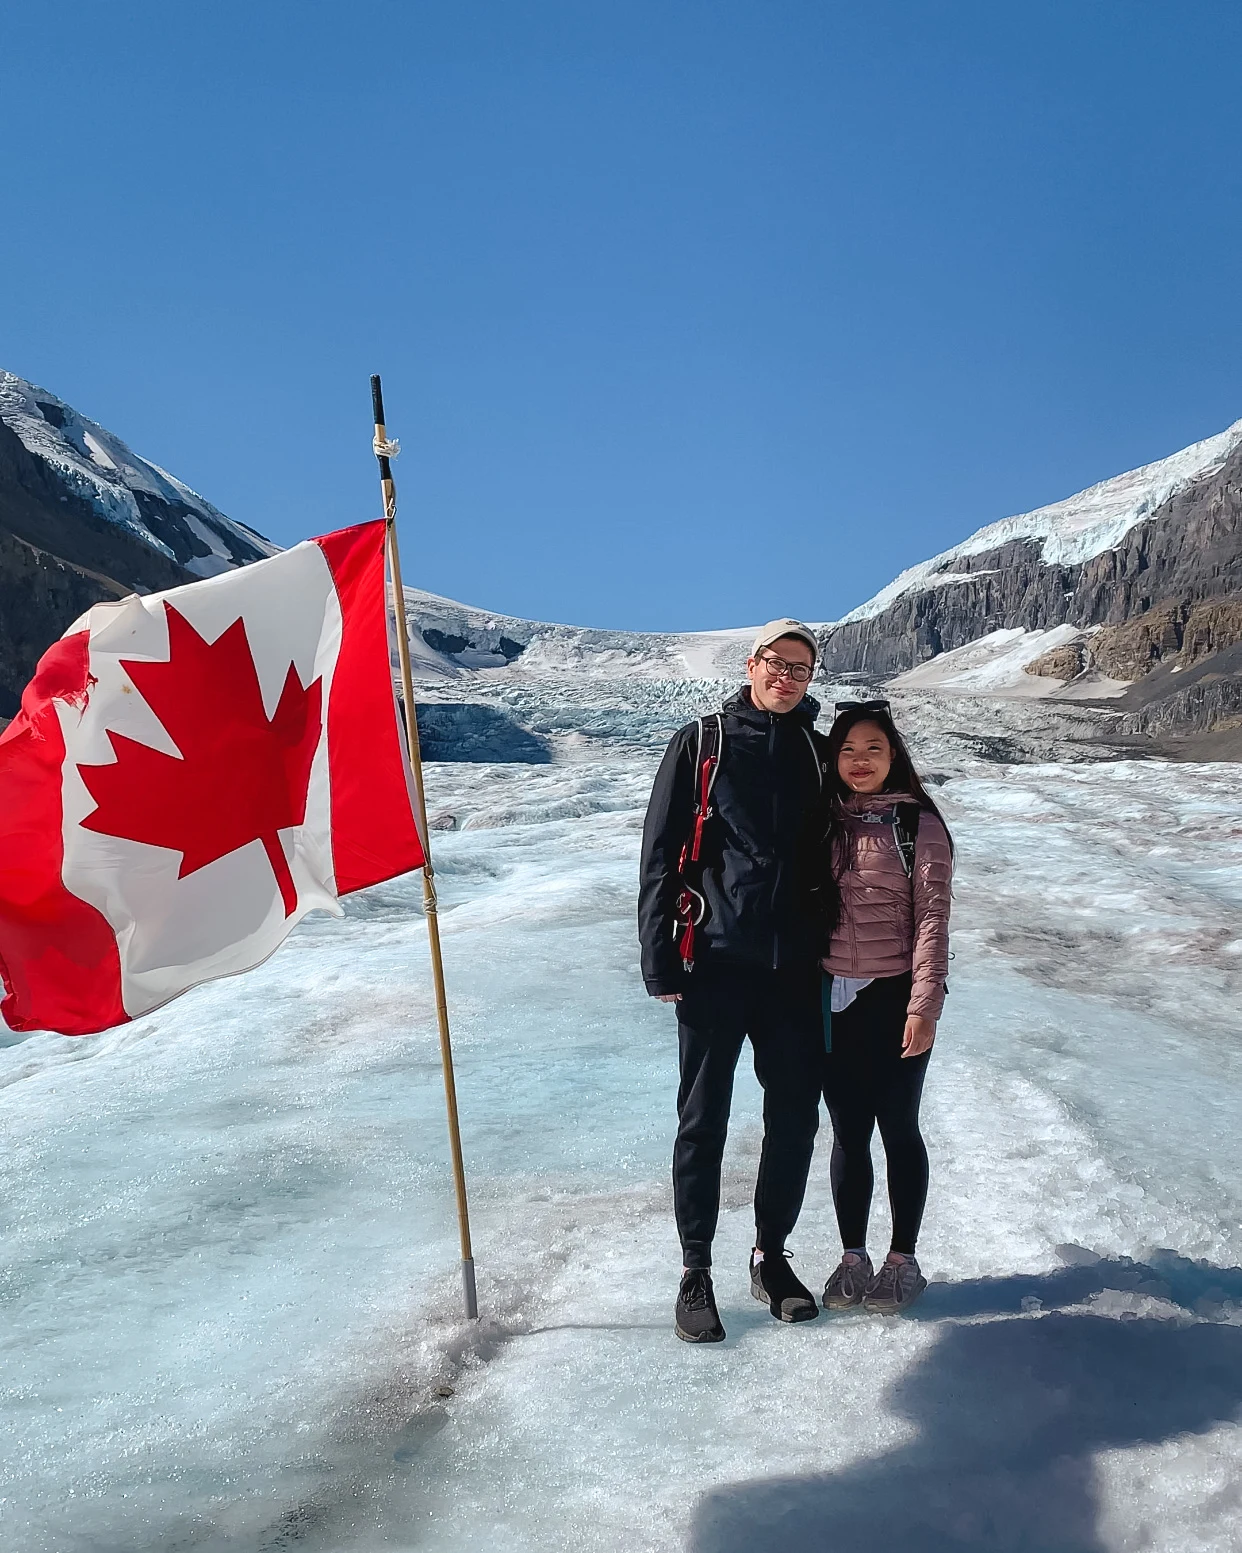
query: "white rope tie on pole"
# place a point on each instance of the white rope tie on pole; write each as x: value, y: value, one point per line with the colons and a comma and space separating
x: 385, y: 447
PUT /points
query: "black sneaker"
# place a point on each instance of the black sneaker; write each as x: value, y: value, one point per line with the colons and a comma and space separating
x: 775, y: 1283
x: 697, y: 1320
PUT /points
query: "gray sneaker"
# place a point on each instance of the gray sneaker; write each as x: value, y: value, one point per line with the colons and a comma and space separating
x: 895, y: 1287
x: 849, y: 1282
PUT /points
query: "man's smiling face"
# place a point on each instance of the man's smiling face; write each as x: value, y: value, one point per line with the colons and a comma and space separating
x: 772, y: 687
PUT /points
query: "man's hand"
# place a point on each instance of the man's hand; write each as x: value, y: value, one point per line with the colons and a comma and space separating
x: 919, y: 1035
x: 668, y: 997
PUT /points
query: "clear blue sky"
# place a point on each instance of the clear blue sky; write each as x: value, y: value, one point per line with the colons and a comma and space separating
x: 688, y: 313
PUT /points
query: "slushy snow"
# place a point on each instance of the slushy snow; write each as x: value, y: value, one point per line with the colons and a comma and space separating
x: 230, y: 1278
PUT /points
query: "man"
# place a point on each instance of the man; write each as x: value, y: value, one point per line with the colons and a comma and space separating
x: 753, y: 971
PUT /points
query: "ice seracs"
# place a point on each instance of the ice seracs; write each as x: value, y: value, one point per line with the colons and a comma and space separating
x: 448, y: 639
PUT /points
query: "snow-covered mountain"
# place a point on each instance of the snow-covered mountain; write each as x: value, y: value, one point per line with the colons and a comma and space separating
x: 82, y: 518
x: 1113, y: 591
x: 140, y: 497
x: 449, y: 639
x: 1072, y: 531
x: 1129, y: 592
x: 1131, y: 589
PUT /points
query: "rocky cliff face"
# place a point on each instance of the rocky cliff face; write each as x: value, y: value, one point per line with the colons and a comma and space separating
x: 83, y: 518
x: 1189, y: 549
x: 1169, y: 588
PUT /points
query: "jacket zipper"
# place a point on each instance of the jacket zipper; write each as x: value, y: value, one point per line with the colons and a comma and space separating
x: 776, y: 882
x: 852, y: 838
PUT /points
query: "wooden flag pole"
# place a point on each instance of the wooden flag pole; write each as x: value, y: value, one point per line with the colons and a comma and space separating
x: 384, y: 452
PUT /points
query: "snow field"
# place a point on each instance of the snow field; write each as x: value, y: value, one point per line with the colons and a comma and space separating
x: 230, y: 1280
x: 995, y: 665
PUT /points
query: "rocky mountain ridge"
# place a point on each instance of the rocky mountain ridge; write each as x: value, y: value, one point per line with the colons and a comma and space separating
x: 1167, y: 592
x: 1135, y: 584
x: 84, y: 518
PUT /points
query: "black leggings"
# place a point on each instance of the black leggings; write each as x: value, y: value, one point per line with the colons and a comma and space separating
x: 867, y: 1081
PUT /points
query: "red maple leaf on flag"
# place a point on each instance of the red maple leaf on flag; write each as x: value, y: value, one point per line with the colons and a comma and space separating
x: 240, y: 776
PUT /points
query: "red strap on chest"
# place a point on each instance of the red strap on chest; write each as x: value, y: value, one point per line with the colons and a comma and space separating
x: 690, y: 903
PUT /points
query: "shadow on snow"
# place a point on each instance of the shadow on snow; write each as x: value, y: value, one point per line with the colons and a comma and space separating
x: 1011, y: 1407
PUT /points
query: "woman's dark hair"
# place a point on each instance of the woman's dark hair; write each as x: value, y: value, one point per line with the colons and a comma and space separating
x: 902, y: 777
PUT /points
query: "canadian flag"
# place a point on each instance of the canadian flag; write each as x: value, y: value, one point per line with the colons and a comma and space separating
x: 190, y: 773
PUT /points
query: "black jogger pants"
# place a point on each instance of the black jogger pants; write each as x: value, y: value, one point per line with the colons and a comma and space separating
x: 780, y: 1012
x: 868, y: 1082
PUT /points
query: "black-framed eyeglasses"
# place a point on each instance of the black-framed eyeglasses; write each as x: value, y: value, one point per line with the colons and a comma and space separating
x: 863, y: 706
x: 777, y: 667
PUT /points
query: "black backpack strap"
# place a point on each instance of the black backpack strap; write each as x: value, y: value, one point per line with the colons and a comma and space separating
x: 711, y: 747
x: 906, y: 834
x: 819, y: 768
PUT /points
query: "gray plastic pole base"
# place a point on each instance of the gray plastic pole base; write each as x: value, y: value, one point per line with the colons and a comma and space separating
x: 467, y: 1285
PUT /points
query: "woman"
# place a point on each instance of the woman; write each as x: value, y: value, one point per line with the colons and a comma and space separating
x: 892, y: 857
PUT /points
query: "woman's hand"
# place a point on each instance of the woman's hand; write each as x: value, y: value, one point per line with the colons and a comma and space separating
x: 919, y: 1034
x: 668, y: 997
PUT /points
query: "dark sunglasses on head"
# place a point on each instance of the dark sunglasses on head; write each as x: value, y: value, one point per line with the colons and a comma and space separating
x: 863, y: 706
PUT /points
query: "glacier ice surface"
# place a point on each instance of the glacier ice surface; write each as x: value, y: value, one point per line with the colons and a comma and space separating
x: 229, y: 1277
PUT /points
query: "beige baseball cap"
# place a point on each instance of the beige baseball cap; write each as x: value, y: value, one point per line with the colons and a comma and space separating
x: 775, y: 629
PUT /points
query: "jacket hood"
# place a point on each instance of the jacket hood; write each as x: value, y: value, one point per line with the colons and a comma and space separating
x: 740, y: 705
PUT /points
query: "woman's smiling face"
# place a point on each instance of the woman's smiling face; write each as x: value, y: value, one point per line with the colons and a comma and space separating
x: 866, y: 758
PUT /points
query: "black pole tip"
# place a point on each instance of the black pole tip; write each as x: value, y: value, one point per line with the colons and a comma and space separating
x: 377, y: 399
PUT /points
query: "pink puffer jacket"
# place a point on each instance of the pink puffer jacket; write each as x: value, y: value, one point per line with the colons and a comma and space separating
x: 889, y: 923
